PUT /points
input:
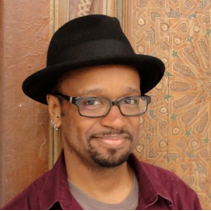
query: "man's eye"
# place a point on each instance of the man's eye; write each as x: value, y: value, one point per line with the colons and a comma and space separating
x: 129, y: 101
x: 91, y: 102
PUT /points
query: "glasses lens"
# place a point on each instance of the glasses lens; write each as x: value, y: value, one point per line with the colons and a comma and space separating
x: 93, y: 107
x: 131, y: 106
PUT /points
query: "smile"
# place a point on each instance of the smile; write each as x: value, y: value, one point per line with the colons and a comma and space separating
x: 112, y: 141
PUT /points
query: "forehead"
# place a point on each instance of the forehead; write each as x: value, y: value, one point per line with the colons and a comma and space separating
x: 95, y: 80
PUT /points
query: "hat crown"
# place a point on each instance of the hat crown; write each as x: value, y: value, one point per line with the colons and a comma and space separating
x: 83, y: 30
x: 88, y: 41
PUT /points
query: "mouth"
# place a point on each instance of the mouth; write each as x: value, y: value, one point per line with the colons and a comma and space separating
x: 112, y: 140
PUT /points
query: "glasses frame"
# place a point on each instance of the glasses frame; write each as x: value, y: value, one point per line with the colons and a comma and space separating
x: 76, y: 101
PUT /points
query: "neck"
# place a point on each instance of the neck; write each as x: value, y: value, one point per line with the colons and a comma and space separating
x: 109, y: 185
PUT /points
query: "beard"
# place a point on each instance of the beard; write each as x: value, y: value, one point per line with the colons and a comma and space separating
x: 111, y: 161
x: 114, y: 156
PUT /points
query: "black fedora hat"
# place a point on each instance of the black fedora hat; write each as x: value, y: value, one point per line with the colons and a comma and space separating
x: 90, y: 41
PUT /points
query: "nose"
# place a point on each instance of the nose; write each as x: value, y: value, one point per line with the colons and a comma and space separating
x: 114, y: 119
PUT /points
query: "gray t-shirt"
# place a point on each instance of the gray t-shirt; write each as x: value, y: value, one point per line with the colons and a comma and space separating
x: 89, y: 203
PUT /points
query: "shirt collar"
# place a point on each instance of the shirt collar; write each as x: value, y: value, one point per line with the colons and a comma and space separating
x: 56, y: 180
x: 150, y: 189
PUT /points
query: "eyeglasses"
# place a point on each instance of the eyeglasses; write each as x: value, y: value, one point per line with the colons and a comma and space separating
x: 95, y: 107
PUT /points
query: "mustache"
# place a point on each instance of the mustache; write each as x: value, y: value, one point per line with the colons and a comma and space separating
x: 122, y: 132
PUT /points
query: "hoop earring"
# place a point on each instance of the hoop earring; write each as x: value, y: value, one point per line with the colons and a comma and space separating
x: 54, y: 125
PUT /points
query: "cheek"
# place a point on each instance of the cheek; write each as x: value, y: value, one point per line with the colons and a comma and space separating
x: 135, y: 125
x: 76, y: 128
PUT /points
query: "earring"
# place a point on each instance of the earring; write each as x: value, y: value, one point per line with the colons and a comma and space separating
x: 54, y: 125
x: 57, y: 115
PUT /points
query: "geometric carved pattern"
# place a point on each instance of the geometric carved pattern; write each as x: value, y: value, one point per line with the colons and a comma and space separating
x: 176, y: 131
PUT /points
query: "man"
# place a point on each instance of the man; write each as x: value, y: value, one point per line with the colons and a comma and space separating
x: 95, y: 85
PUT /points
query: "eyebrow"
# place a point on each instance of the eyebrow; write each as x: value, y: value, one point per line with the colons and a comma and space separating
x: 100, y: 91
x: 132, y: 90
x: 93, y: 91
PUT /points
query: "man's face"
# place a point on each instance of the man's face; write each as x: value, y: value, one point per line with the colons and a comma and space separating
x: 106, y: 141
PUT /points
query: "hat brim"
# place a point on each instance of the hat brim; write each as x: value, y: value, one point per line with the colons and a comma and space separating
x: 39, y: 84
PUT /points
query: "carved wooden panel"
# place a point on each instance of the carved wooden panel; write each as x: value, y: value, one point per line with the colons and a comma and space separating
x: 177, y: 128
x: 65, y: 10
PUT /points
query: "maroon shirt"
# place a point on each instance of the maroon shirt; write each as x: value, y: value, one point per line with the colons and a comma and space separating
x: 158, y: 189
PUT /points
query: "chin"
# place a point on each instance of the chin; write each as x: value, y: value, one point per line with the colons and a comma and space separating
x: 111, y: 160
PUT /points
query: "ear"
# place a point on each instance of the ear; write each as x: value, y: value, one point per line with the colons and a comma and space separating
x: 54, y: 109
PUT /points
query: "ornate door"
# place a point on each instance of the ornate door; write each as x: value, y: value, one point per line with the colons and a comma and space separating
x: 176, y: 131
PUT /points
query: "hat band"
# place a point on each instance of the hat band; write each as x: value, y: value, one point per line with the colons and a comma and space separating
x: 96, y: 49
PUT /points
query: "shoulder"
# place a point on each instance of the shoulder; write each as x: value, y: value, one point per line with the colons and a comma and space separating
x: 29, y: 198
x: 180, y: 193
x: 165, y: 178
x: 154, y: 172
x: 162, y: 174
